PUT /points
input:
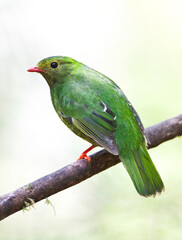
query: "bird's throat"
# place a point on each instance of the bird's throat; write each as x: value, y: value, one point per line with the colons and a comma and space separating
x: 49, y: 79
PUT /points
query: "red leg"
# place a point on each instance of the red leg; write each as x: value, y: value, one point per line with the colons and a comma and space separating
x: 84, y: 154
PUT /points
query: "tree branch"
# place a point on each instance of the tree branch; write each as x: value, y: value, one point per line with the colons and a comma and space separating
x: 78, y: 171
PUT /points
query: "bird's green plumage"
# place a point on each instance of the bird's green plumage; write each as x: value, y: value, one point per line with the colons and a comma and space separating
x: 96, y: 109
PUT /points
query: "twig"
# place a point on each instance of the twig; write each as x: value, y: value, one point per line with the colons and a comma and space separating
x: 78, y: 171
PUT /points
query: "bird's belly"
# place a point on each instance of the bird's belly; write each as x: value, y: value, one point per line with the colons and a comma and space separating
x: 68, y: 122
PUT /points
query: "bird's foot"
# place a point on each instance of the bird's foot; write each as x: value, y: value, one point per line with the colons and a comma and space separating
x: 84, y: 154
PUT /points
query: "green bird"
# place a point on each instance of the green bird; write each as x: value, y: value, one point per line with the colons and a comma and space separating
x: 96, y: 109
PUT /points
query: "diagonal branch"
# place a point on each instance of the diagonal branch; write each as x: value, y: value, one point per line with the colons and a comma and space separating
x: 78, y: 171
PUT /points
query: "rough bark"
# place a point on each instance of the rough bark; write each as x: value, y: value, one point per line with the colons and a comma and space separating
x: 78, y: 171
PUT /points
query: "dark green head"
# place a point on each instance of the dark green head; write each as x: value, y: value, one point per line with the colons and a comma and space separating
x: 54, y: 69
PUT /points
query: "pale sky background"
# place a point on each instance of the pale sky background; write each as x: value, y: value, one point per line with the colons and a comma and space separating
x: 135, y: 43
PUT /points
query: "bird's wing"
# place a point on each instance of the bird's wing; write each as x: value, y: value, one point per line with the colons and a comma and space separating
x: 94, y: 119
x: 138, y: 120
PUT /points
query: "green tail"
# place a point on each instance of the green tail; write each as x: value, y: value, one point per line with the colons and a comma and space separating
x: 143, y: 173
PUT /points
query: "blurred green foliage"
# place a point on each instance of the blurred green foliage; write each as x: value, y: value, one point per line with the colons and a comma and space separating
x: 138, y: 45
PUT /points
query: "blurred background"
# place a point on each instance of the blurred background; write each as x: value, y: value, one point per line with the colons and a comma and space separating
x: 135, y: 43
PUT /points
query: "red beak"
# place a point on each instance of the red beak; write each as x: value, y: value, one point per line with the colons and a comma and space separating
x: 35, y: 69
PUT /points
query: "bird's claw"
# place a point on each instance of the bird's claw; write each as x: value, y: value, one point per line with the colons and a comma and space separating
x: 84, y: 156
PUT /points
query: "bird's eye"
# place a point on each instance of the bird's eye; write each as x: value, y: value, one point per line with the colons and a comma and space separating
x: 54, y: 64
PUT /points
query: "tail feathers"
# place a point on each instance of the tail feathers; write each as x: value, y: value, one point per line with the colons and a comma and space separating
x: 143, y: 173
